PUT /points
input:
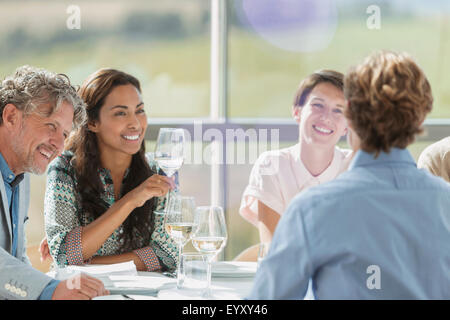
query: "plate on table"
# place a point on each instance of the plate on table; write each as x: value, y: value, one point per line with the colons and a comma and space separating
x: 122, y: 297
x: 132, y: 291
x: 233, y: 269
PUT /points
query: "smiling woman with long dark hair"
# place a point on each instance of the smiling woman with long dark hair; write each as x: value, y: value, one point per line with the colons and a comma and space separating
x: 102, y: 192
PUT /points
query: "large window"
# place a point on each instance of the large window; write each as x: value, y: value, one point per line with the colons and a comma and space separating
x: 275, y: 44
x: 163, y: 43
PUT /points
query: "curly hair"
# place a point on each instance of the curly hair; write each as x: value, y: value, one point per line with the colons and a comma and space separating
x: 86, y: 159
x: 30, y: 87
x: 388, y: 98
x: 310, y: 82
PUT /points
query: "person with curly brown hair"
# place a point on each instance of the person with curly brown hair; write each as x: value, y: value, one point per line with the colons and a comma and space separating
x: 381, y: 230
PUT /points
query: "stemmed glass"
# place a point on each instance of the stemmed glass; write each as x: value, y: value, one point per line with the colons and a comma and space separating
x: 179, y: 223
x: 210, y: 237
x: 169, y: 152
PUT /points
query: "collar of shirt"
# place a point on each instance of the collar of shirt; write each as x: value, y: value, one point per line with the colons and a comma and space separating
x: 105, y: 175
x: 8, y: 175
x: 396, y: 155
x: 12, y: 181
x: 304, y: 177
x: 108, y: 186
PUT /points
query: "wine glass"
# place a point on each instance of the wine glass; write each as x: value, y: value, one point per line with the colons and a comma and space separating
x: 179, y: 223
x: 210, y: 237
x: 169, y: 150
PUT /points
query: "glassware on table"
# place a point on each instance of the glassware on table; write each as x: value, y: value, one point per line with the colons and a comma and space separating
x: 192, y: 272
x: 210, y: 237
x: 169, y: 150
x: 179, y: 223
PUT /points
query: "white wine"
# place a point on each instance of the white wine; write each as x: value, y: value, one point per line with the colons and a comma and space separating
x: 169, y: 165
x: 180, y: 231
x: 208, y: 244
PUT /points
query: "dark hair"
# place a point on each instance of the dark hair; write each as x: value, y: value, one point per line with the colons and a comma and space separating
x: 307, y: 85
x: 86, y: 160
x: 388, y: 98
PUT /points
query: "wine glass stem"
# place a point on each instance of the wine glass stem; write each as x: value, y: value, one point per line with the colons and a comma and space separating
x: 208, y: 275
x: 167, y: 202
x: 180, y: 252
x: 178, y: 271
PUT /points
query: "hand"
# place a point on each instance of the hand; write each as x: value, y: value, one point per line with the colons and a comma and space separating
x: 155, y: 186
x: 79, y: 287
x: 44, y: 250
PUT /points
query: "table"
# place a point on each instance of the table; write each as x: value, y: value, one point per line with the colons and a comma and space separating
x: 124, y: 282
x: 155, y: 286
x: 221, y: 289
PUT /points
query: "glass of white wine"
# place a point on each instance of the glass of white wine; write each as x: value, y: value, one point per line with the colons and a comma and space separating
x: 169, y: 152
x: 210, y: 236
x: 179, y: 223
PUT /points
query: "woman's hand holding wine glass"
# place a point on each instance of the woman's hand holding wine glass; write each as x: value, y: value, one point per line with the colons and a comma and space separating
x: 154, y: 186
x: 169, y: 151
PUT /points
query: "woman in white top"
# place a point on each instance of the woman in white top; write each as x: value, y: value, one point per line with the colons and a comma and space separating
x: 279, y: 175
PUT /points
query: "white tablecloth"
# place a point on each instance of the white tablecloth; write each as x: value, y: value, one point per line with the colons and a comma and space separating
x: 221, y: 289
x: 128, y: 284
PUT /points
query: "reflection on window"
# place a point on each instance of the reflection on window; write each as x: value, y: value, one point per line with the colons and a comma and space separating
x: 165, y: 44
x: 273, y: 45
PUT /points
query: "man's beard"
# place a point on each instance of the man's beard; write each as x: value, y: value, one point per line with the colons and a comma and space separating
x: 27, y: 163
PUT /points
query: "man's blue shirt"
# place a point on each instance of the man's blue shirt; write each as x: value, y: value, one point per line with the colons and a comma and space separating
x: 381, y: 230
x: 12, y: 194
x: 11, y: 183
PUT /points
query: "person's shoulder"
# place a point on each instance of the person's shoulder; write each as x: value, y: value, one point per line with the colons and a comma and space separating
x: 269, y: 162
x: 329, y: 194
x: 283, y: 154
x: 326, y: 193
x: 343, y: 153
x: 63, y: 160
x: 62, y: 163
x: 439, y: 149
x: 345, y: 157
x: 429, y: 181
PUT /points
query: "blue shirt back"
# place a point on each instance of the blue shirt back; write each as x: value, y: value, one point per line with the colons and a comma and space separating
x: 381, y: 230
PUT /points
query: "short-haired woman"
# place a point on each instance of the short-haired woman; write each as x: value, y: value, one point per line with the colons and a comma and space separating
x: 279, y: 175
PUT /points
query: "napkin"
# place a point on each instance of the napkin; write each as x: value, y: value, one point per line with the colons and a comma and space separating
x: 98, y: 270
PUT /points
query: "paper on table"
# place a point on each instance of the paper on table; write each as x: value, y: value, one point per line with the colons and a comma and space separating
x: 141, y: 285
x: 120, y: 281
x: 99, y: 270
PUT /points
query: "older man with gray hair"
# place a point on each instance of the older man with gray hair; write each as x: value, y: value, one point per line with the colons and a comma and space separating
x: 38, y: 110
